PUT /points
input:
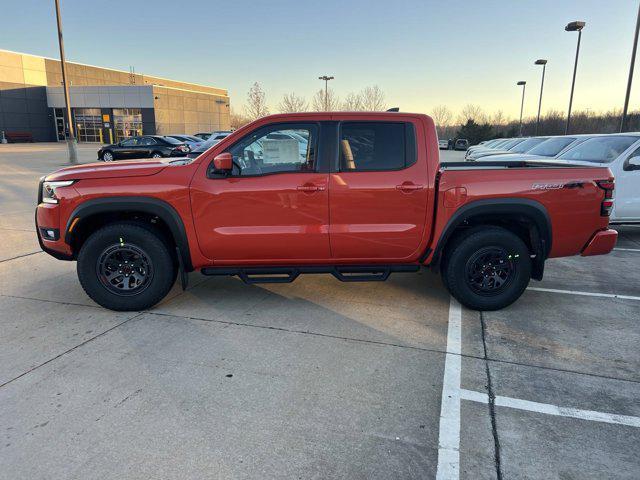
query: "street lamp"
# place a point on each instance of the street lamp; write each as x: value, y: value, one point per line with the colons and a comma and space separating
x: 633, y: 62
x: 326, y: 91
x: 573, y: 27
x: 544, y: 67
x: 524, y: 85
x: 71, y: 141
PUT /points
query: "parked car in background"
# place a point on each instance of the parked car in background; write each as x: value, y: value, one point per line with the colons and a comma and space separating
x: 146, y: 146
x: 203, y: 136
x: 621, y: 153
x: 519, y: 145
x: 461, y: 144
x: 550, y: 148
x: 490, y: 145
x: 190, y: 140
x: 443, y: 144
x: 213, y: 139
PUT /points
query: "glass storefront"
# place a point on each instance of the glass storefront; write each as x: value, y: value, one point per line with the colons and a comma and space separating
x: 88, y: 124
x: 127, y: 122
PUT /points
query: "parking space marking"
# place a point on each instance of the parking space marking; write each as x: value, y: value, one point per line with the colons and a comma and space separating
x: 627, y: 249
x: 587, y: 294
x: 550, y: 409
x: 449, y: 432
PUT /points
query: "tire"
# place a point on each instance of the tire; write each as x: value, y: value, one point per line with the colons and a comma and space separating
x: 487, y: 269
x: 156, y: 155
x: 107, y: 156
x: 147, y: 272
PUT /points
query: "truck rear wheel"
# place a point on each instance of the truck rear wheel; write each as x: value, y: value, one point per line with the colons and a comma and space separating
x: 488, y: 269
x: 126, y: 267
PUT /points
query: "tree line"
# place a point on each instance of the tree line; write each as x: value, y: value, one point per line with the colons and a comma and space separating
x: 476, y: 125
x: 368, y: 99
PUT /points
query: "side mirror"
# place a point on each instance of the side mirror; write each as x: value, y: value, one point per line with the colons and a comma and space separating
x: 632, y: 163
x: 223, y: 162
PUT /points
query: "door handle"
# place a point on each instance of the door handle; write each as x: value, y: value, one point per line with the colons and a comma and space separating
x: 308, y: 187
x: 409, y: 187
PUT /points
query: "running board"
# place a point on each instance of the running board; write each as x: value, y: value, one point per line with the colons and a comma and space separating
x: 344, y: 273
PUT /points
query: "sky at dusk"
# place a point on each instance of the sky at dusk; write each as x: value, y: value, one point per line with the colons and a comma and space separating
x: 421, y: 53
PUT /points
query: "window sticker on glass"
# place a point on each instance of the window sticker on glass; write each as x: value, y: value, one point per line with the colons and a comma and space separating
x: 280, y: 151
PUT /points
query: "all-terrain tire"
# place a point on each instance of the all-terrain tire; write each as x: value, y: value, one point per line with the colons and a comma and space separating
x: 146, y: 255
x: 504, y: 251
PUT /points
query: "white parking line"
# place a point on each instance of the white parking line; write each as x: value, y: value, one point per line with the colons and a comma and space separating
x: 549, y: 409
x: 587, y: 294
x: 449, y: 433
x: 627, y: 249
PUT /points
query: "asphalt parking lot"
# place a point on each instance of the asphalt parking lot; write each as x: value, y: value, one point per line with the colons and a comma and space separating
x: 314, y: 379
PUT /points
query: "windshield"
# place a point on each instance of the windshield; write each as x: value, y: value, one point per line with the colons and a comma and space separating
x: 599, y: 150
x: 501, y: 143
x: 527, y: 145
x: 172, y: 140
x: 552, y: 147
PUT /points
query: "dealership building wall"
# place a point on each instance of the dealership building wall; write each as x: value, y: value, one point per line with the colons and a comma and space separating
x: 106, y: 104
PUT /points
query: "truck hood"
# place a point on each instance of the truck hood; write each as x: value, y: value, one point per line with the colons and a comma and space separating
x: 119, y: 169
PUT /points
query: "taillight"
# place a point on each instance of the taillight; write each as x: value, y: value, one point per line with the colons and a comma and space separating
x: 607, y: 203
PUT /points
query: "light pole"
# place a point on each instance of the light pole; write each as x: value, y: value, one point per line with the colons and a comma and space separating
x: 633, y: 62
x: 326, y: 91
x: 573, y: 27
x: 544, y: 67
x: 524, y: 86
x: 71, y: 140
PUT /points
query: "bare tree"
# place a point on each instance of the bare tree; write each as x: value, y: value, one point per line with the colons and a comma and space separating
x: 498, y: 118
x: 372, y: 99
x: 352, y: 103
x: 291, y: 103
x: 332, y: 101
x: 237, y: 120
x: 472, y: 112
x: 256, y: 106
x: 441, y: 115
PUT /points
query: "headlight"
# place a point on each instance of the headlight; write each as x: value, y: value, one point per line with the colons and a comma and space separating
x: 49, y: 190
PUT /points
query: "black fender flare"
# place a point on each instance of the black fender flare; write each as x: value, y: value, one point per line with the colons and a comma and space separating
x: 149, y: 205
x: 507, y: 206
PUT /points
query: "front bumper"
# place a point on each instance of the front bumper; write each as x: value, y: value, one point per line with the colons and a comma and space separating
x: 601, y: 243
x: 57, y: 249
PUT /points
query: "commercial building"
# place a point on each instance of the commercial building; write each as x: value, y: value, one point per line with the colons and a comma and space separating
x: 107, y: 105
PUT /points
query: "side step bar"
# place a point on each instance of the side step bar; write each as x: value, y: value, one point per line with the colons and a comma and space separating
x: 344, y: 273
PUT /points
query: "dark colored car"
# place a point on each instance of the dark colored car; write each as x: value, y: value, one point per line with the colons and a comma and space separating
x: 147, y: 146
x: 461, y: 144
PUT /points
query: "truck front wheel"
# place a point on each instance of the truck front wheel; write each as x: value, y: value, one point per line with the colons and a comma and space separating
x: 126, y: 267
x: 488, y: 269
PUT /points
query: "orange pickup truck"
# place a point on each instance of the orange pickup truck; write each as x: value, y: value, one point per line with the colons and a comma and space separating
x: 355, y: 195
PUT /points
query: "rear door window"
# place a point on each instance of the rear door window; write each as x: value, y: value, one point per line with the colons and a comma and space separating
x: 375, y: 146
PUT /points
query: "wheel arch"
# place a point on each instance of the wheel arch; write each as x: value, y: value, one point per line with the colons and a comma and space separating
x: 526, y: 218
x: 97, y: 211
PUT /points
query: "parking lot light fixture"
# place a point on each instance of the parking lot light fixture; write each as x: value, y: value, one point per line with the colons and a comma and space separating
x: 573, y: 27
x: 544, y: 68
x: 326, y: 90
x: 71, y: 141
x: 630, y: 80
x: 524, y: 86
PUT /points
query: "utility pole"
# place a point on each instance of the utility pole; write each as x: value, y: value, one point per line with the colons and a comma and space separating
x: 71, y: 140
x: 524, y: 86
x: 573, y: 27
x: 633, y: 62
x: 326, y: 91
x: 544, y: 67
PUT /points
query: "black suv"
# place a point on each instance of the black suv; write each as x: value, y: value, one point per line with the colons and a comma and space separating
x: 147, y: 146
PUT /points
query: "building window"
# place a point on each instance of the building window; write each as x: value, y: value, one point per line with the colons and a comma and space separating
x: 88, y: 124
x: 127, y: 122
